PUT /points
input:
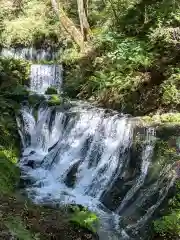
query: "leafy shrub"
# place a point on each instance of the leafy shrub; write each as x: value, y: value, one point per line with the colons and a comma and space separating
x: 32, y: 22
x: 9, y: 173
x: 169, y: 225
x: 170, y: 90
x: 13, y: 72
x: 9, y: 146
x: 131, y: 53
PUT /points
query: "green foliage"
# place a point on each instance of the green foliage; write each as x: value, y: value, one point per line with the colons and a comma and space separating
x: 133, y: 50
x: 169, y: 225
x: 32, y: 22
x: 35, y: 99
x: 13, y: 72
x: 85, y: 219
x: 131, y: 53
x: 9, y: 146
x: 170, y: 90
x: 9, y: 173
x: 51, y: 91
x: 54, y: 100
x: 158, y: 119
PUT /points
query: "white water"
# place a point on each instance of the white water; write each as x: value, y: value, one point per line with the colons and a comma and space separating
x: 87, y: 156
x: 80, y: 155
x: 44, y: 76
x: 30, y: 54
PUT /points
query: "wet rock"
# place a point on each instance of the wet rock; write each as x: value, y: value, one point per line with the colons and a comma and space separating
x: 30, y: 163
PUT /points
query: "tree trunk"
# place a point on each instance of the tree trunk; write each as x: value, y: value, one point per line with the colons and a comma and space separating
x: 83, y: 11
x: 68, y: 25
x: 86, y: 5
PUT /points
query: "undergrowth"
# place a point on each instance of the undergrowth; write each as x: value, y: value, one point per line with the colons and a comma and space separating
x: 168, y: 226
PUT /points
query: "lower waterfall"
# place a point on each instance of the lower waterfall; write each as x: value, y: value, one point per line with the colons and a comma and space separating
x: 97, y: 158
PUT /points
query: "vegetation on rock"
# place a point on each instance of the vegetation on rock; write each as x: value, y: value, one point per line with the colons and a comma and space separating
x: 54, y: 100
x: 51, y: 90
x: 85, y: 219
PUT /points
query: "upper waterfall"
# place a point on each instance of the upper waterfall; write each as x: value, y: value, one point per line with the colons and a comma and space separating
x: 88, y: 156
x: 30, y: 53
x: 42, y: 76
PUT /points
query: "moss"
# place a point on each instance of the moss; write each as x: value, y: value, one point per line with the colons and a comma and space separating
x: 85, y: 219
x: 51, y: 91
x: 54, y: 100
x: 35, y: 99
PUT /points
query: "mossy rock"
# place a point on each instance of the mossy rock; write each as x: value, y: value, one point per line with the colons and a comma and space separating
x: 54, y: 100
x: 51, y: 91
x: 85, y: 219
x: 35, y: 99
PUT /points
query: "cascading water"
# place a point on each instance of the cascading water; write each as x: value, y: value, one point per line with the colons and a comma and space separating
x: 83, y: 155
x: 89, y: 156
x: 32, y: 54
x: 44, y: 76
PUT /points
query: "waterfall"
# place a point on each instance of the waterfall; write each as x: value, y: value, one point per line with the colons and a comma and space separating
x: 44, y: 76
x: 31, y: 53
x: 93, y: 157
x: 89, y: 156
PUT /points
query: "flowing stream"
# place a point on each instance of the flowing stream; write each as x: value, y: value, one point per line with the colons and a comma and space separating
x: 94, y: 157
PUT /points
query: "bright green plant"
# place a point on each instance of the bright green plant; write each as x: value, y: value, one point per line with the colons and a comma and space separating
x: 54, y: 100
x: 86, y: 219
